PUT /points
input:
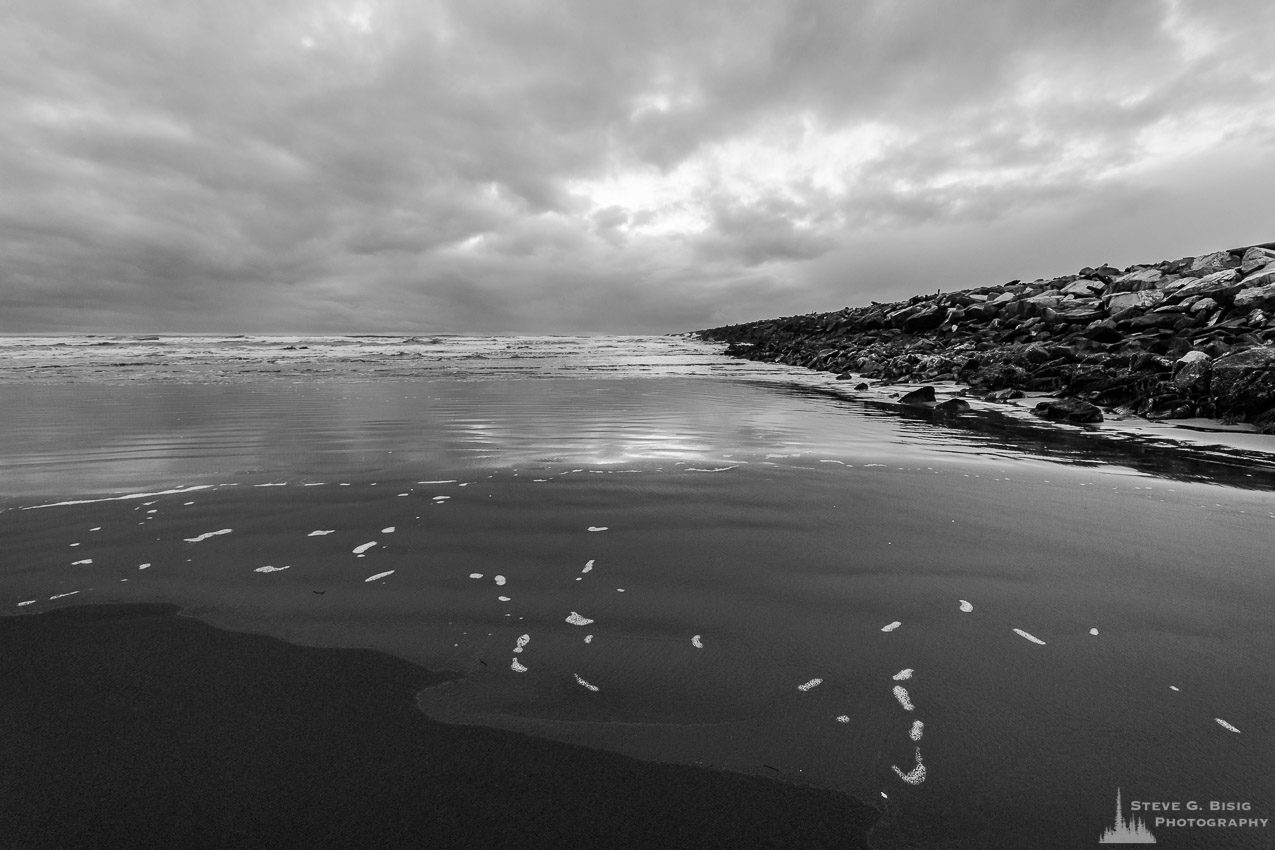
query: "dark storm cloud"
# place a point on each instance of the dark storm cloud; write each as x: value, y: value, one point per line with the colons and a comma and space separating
x: 355, y: 165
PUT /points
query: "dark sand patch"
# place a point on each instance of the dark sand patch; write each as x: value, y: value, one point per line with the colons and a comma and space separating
x: 132, y: 726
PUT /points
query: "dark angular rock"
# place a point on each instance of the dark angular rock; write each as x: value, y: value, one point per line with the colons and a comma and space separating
x: 1122, y: 301
x: 922, y: 397
x: 1148, y: 320
x: 1103, y: 332
x: 1220, y: 285
x: 953, y: 405
x: 1255, y: 258
x: 926, y: 319
x: 1192, y: 371
x: 1036, y: 354
x: 1257, y: 296
x: 1136, y: 281
x: 1071, y: 410
x: 1243, y: 382
x: 1078, y: 315
x: 1213, y: 262
x: 1104, y: 273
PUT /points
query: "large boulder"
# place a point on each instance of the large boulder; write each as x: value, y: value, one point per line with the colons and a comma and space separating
x: 926, y: 319
x: 1192, y: 370
x: 1104, y: 332
x: 1147, y: 321
x: 1243, y: 382
x: 1263, y: 276
x: 1212, y: 262
x: 1035, y: 354
x: 995, y: 376
x: 1104, y: 273
x: 1136, y: 281
x: 1083, y: 288
x: 1256, y: 296
x: 1142, y: 300
x: 1071, y: 410
x: 1212, y: 285
x: 1255, y: 258
x: 921, y: 397
x: 1045, y: 300
x: 1078, y: 313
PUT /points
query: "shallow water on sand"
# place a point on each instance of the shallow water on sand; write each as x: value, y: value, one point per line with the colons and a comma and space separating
x: 637, y: 544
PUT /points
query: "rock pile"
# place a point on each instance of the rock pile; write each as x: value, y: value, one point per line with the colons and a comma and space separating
x: 1185, y: 338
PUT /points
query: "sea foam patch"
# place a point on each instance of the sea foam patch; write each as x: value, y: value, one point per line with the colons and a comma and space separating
x: 321, y: 532
x: 379, y: 576
x: 585, y: 684
x: 891, y: 626
x: 903, y: 675
x: 588, y: 566
x: 517, y: 667
x: 269, y: 569
x: 917, y: 730
x: 1030, y: 637
x: 697, y: 642
x: 117, y: 498
x: 966, y: 606
x: 82, y: 562
x: 901, y: 694
x: 522, y: 641
x: 576, y: 620
x: 207, y: 534
x: 1228, y: 727
x: 363, y: 547
x: 916, y: 775
x: 813, y: 683
x: 597, y: 528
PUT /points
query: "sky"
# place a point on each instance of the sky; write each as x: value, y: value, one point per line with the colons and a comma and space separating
x: 621, y: 166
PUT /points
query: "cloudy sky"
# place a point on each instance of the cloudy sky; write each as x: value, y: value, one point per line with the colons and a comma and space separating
x: 600, y: 165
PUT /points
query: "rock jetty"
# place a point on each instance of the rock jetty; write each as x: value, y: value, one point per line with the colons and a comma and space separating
x: 1177, y: 339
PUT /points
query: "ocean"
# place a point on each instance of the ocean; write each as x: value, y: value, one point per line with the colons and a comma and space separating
x: 981, y: 624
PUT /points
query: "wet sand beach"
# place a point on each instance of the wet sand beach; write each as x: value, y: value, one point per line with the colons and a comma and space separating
x: 967, y: 630
x: 131, y: 726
